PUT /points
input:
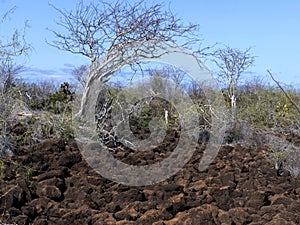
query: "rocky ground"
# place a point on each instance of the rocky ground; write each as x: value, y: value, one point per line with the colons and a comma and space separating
x: 241, y: 186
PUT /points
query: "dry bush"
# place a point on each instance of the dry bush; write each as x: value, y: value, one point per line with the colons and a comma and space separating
x: 9, y: 108
x: 284, y: 154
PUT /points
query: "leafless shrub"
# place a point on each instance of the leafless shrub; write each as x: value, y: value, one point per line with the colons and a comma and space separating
x: 10, y: 107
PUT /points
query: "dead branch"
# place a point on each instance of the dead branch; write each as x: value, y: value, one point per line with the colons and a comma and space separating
x: 284, y: 92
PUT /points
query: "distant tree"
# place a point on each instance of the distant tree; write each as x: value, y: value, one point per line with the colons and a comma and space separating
x: 231, y: 64
x: 34, y: 93
x: 169, y: 72
x: 13, y: 46
x: 252, y: 86
x: 115, y: 34
x: 81, y: 74
x: 196, y: 91
x: 8, y: 74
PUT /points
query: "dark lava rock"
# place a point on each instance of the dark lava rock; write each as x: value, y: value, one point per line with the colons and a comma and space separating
x: 239, y: 187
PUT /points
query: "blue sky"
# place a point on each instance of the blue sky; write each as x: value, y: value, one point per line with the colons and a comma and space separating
x: 270, y: 27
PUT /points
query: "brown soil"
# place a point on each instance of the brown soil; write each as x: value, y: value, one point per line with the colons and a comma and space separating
x: 241, y: 186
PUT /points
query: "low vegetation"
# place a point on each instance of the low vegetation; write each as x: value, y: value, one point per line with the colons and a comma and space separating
x: 30, y: 115
x: 33, y: 112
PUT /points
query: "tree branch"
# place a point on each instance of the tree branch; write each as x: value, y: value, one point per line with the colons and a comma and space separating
x: 284, y: 92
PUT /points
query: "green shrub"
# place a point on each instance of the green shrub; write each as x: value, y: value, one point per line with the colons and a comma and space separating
x: 56, y: 102
x: 268, y: 108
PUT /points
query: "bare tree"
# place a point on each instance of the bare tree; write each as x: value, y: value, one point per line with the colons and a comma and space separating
x: 168, y: 72
x: 113, y: 35
x: 8, y: 73
x: 231, y: 64
x: 10, y: 47
x: 105, y: 32
x: 13, y: 46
